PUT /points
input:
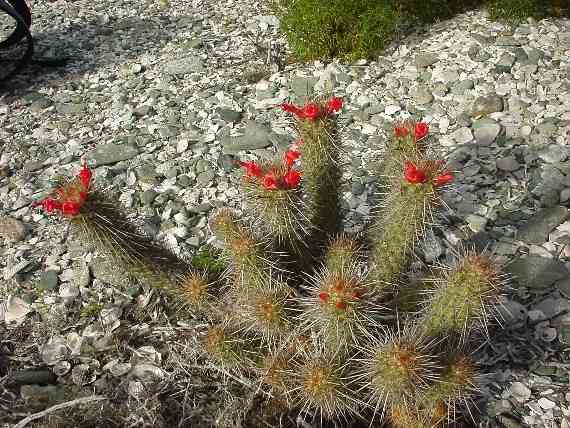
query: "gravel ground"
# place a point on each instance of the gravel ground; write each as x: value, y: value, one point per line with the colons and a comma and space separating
x: 161, y: 97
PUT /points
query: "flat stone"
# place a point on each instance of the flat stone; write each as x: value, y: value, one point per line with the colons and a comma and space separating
x: 486, y: 105
x: 476, y: 222
x: 303, y: 86
x: 70, y: 108
x: 508, y: 163
x: 111, y: 153
x: 486, y: 131
x: 48, y: 280
x: 505, y: 63
x: 422, y: 95
x: 520, y: 391
x: 148, y: 197
x: 425, y: 60
x: 537, y: 272
x: 507, y: 41
x: 448, y: 76
x: 33, y: 377
x: 40, y: 397
x: 553, y: 153
x: 16, y: 310
x: 460, y: 87
x: 564, y: 286
x: 12, y: 229
x: 255, y: 137
x: 462, y: 135
x: 187, y: 65
x: 539, y: 226
x: 229, y: 115
x: 205, y: 177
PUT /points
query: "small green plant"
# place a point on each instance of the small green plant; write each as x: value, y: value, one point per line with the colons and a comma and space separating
x: 321, y: 321
x: 516, y: 11
x: 91, y: 310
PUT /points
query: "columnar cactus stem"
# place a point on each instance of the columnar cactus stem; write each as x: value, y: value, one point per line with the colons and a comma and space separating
x: 399, y: 226
x: 461, y: 298
x: 320, y: 156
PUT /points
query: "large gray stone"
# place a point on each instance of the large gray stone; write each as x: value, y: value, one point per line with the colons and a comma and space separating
x: 539, y: 226
x: 425, y: 60
x: 12, y: 229
x: 486, y: 131
x: 505, y: 63
x: 48, y: 280
x: 508, y: 163
x: 485, y: 105
x: 303, y: 86
x: 537, y: 272
x: 422, y: 95
x: 107, y: 154
x: 255, y: 137
x: 189, y: 64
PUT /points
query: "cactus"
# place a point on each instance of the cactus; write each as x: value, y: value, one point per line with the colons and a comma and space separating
x: 319, y: 321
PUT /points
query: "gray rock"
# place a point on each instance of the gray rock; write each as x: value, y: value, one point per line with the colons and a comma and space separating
x: 48, y: 280
x: 505, y: 63
x: 205, y: 177
x: 303, y: 86
x: 534, y: 55
x: 187, y: 65
x: 425, y: 60
x: 255, y: 137
x: 107, y: 154
x: 148, y: 197
x: 485, y: 105
x: 184, y: 181
x: 70, y: 108
x: 449, y: 76
x: 521, y: 56
x: 229, y: 115
x: 476, y: 222
x: 460, y: 87
x: 462, y: 135
x: 477, y: 54
x: 508, y: 163
x: 507, y: 41
x: 539, y: 226
x: 12, y: 229
x: 537, y: 272
x: 422, y: 95
x: 33, y: 377
x: 40, y: 397
x: 486, y: 131
x: 227, y: 163
x: 553, y: 153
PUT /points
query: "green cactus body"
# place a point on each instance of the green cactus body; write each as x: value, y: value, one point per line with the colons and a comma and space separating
x: 229, y: 349
x: 342, y: 255
x: 460, y: 300
x: 321, y: 174
x: 394, y: 235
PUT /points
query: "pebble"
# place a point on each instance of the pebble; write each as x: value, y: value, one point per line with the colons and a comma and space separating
x: 422, y: 96
x: 107, y: 154
x: 537, y: 229
x: 486, y: 105
x: 537, y: 272
x: 520, y: 391
x: 462, y: 135
x: 12, y: 229
x: 486, y: 131
x: 508, y: 163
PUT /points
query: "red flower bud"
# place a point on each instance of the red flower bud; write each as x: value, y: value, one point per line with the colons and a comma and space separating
x: 334, y: 105
x: 292, y: 179
x: 85, y: 175
x: 270, y: 182
x: 291, y: 156
x: 49, y: 205
x: 311, y: 111
x: 252, y: 168
x: 324, y: 297
x: 443, y: 179
x: 421, y: 130
x: 414, y: 175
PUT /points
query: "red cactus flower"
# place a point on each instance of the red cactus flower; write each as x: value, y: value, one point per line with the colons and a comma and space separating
x: 291, y: 108
x: 49, y: 205
x: 334, y: 105
x: 252, y: 169
x: 324, y: 297
x: 70, y: 208
x: 443, y: 179
x: 270, y: 182
x: 311, y: 111
x: 292, y: 178
x: 340, y: 305
x: 400, y: 132
x: 421, y: 130
x: 291, y: 156
x: 414, y: 175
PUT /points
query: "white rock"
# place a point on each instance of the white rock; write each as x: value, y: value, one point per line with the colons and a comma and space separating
x: 520, y: 391
x: 16, y: 310
x: 147, y: 372
x: 546, y: 404
x: 182, y: 145
x: 462, y: 135
x: 54, y: 350
x: 392, y: 109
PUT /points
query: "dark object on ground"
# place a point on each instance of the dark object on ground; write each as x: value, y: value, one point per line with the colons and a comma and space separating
x: 20, y: 12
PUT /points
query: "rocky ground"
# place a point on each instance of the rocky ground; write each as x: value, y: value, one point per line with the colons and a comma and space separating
x: 162, y: 97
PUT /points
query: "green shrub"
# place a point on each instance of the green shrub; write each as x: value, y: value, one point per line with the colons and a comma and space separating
x: 350, y: 29
x: 515, y: 11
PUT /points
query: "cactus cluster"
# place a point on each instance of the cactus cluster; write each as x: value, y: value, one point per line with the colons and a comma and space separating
x: 325, y: 322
